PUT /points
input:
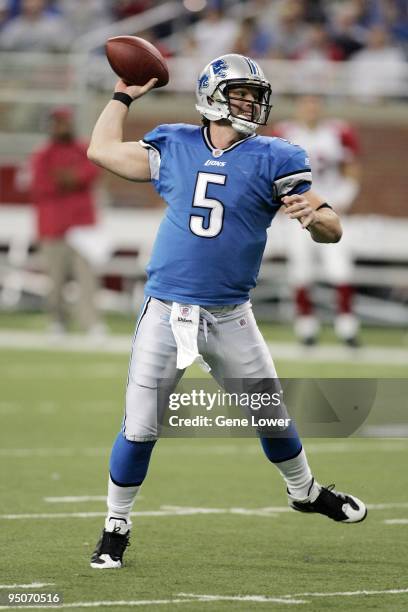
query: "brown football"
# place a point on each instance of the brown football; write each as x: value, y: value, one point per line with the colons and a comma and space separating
x: 135, y: 60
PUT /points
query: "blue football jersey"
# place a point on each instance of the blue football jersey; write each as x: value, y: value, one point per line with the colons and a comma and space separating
x: 210, y: 243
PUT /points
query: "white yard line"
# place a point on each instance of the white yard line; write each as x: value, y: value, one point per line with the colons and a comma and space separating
x: 178, y: 511
x: 17, y: 339
x: 150, y: 602
x: 269, y: 511
x: 32, y: 585
x: 262, y: 598
x: 186, y: 510
x: 387, y: 506
x: 286, y: 599
x: 351, y: 593
x: 396, y: 521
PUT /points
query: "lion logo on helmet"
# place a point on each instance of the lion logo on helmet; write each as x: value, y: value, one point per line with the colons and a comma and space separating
x: 203, y: 82
x: 219, y: 68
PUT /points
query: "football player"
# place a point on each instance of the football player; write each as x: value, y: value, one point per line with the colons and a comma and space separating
x: 223, y: 185
x: 333, y: 150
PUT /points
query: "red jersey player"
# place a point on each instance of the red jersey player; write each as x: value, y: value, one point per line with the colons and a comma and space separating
x: 333, y: 149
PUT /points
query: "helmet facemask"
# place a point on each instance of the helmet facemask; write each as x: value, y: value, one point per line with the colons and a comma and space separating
x: 215, y: 101
x: 242, y: 120
x: 254, y: 112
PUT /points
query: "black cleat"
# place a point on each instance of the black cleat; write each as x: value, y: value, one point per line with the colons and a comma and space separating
x: 110, y: 548
x: 338, y: 506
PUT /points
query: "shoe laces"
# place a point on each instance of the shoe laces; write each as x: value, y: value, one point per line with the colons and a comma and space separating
x: 332, y: 489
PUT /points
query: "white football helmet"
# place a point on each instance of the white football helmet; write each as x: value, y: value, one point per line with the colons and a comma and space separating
x: 223, y: 74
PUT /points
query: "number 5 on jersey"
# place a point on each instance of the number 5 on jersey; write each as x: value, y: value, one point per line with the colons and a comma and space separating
x: 200, y: 200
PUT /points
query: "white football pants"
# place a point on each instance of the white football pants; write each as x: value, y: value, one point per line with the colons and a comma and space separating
x: 231, y: 344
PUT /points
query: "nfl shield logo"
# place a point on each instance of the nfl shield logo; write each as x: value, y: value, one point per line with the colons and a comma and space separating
x: 185, y: 310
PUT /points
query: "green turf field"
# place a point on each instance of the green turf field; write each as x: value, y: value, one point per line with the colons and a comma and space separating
x: 121, y: 324
x: 213, y: 513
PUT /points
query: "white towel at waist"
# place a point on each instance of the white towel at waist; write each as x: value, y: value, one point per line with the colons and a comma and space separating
x: 184, y: 321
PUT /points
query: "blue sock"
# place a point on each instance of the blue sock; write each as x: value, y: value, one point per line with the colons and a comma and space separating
x: 129, y: 461
x: 282, y: 449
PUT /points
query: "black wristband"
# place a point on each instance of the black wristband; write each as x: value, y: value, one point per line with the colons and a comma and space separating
x: 325, y: 205
x: 123, y: 97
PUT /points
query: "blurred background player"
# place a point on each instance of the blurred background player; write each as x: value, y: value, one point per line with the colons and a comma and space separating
x: 333, y: 149
x: 62, y: 183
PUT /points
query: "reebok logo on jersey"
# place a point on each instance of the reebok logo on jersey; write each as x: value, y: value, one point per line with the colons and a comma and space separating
x: 214, y: 162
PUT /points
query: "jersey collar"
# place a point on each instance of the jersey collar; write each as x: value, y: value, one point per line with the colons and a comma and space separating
x: 214, y: 150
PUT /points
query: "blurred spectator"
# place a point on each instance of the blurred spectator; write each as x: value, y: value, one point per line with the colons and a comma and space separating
x: 51, y: 7
x: 252, y: 39
x: 379, y: 70
x: 318, y: 45
x: 396, y: 19
x: 347, y: 34
x: 160, y: 45
x: 127, y: 8
x: 213, y: 35
x: 62, y: 181
x: 314, y: 11
x: 389, y: 14
x: 368, y: 12
x: 35, y: 30
x: 333, y: 149
x: 4, y: 13
x: 317, y: 55
x: 83, y: 17
x: 13, y: 7
x: 286, y: 22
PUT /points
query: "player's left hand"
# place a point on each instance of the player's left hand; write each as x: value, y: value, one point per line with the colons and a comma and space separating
x: 298, y: 207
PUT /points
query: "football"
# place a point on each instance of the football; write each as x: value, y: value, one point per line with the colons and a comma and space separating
x: 136, y: 60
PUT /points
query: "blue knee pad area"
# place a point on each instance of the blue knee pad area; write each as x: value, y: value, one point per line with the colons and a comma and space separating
x: 282, y: 449
x: 129, y: 461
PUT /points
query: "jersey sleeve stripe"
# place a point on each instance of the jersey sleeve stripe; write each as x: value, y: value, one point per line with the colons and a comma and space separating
x: 286, y: 184
x: 154, y: 159
x: 305, y: 172
x: 148, y: 145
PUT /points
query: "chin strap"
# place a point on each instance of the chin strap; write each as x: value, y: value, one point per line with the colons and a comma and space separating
x: 241, y: 127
